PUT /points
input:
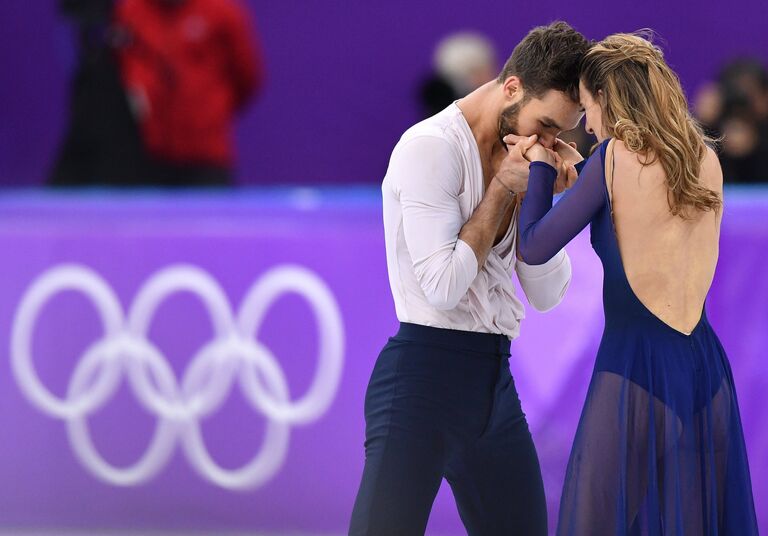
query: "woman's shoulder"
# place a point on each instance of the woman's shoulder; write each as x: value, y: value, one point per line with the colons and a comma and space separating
x: 623, y: 159
x: 711, y: 174
x: 618, y: 147
x: 599, y: 150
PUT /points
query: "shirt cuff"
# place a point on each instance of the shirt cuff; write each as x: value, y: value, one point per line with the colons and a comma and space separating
x: 532, y: 271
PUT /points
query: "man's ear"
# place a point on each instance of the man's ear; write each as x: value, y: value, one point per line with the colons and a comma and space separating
x: 512, y: 87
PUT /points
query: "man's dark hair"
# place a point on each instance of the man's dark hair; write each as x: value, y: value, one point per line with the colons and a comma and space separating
x: 548, y: 58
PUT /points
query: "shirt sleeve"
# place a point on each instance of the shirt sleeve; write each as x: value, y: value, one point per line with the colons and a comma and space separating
x: 545, y: 229
x: 545, y: 284
x: 425, y: 174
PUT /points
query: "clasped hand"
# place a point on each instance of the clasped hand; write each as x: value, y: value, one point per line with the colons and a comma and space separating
x: 521, y: 150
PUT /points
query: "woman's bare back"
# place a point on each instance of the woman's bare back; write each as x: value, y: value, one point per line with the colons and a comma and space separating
x: 669, y: 261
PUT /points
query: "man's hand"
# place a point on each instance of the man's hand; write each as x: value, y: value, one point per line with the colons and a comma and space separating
x: 138, y: 102
x: 513, y: 171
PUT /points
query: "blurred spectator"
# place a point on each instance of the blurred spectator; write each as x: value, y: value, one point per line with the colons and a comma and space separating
x: 708, y: 108
x: 735, y: 110
x: 462, y: 62
x: 188, y: 66
x: 748, y: 78
x: 102, y: 143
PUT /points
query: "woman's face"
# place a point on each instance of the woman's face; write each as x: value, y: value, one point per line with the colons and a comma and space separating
x: 593, y: 112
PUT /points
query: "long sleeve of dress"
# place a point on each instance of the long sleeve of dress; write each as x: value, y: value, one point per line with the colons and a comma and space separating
x: 544, y: 229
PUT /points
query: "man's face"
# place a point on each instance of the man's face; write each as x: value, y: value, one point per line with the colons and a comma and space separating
x: 547, y: 116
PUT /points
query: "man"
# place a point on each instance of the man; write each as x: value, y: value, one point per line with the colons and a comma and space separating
x: 188, y: 66
x: 101, y: 145
x: 441, y: 401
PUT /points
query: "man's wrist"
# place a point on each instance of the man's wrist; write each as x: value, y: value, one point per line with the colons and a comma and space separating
x: 501, y: 184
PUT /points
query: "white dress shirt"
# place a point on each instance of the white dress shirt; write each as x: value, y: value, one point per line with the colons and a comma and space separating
x: 433, y: 185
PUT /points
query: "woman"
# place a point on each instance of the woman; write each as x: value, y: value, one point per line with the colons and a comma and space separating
x: 659, y: 448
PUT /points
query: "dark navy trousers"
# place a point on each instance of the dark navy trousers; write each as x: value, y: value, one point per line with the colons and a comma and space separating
x: 442, y: 404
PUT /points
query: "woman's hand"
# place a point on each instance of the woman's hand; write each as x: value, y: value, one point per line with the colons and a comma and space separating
x: 539, y: 153
x: 568, y: 152
x: 566, y: 175
x: 566, y: 172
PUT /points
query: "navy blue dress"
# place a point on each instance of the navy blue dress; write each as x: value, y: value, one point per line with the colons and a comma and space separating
x: 659, y: 449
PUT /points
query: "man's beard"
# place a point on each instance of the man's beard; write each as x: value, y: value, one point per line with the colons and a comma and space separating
x: 508, y: 119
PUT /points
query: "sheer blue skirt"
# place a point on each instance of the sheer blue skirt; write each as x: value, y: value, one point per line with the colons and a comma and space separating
x: 659, y: 449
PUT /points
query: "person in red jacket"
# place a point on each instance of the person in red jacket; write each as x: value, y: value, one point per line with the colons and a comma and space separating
x: 188, y: 66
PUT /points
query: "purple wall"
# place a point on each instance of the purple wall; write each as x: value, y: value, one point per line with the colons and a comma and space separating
x: 341, y: 75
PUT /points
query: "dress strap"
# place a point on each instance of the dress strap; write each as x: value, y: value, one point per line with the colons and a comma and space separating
x: 610, y: 153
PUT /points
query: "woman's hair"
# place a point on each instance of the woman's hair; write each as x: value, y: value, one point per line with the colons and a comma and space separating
x: 643, y: 105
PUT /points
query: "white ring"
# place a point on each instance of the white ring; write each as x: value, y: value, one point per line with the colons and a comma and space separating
x: 323, y: 389
x: 125, y: 352
x: 51, y: 282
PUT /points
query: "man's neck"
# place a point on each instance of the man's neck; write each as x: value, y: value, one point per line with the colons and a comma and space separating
x: 481, y: 109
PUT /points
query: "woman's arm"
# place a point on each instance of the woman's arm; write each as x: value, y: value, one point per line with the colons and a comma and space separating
x: 543, y: 229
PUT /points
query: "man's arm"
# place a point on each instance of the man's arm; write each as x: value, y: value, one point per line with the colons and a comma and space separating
x: 512, y: 179
x: 446, y: 251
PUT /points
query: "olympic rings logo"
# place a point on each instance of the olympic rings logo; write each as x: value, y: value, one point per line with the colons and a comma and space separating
x: 232, y: 355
